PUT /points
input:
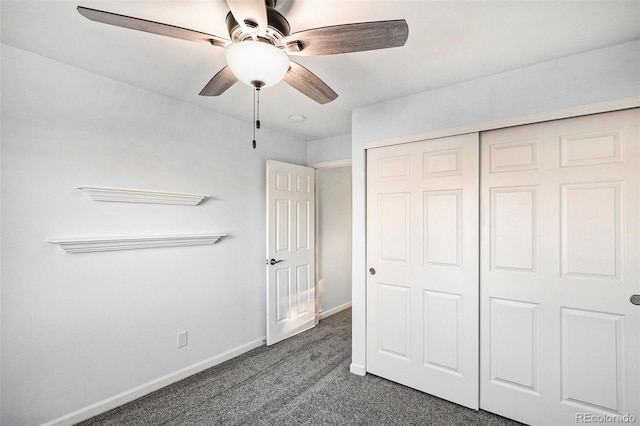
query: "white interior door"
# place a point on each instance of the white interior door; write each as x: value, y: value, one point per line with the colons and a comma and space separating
x: 290, y: 250
x: 422, y: 242
x: 560, y: 260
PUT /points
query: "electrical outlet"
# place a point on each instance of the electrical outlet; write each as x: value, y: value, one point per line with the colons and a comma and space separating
x: 182, y: 339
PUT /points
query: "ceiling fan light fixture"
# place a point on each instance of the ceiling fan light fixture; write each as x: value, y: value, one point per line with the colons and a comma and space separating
x: 256, y: 61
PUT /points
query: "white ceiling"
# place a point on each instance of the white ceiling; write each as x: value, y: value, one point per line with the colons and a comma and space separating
x: 449, y: 42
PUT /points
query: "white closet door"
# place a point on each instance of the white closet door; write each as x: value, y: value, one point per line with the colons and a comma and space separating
x: 422, y: 248
x: 560, y: 260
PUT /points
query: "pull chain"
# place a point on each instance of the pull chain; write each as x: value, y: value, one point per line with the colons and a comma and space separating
x: 256, y: 109
x: 253, y: 143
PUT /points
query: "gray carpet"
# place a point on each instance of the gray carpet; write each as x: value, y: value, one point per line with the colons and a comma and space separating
x: 304, y: 380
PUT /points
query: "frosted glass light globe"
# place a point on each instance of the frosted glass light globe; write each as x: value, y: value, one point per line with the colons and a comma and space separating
x: 257, y: 61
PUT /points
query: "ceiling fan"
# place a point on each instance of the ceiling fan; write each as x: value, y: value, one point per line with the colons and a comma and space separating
x: 260, y: 43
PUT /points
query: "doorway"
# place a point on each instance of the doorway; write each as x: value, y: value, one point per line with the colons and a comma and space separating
x: 333, y: 237
x: 308, y: 245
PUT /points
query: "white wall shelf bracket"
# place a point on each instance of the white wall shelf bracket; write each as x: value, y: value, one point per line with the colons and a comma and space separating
x: 98, y: 193
x: 95, y: 244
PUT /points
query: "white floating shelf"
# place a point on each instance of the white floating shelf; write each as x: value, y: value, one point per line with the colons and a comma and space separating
x: 88, y: 245
x: 98, y: 193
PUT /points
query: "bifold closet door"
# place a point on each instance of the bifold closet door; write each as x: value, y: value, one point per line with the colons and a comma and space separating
x: 560, y: 261
x: 422, y: 251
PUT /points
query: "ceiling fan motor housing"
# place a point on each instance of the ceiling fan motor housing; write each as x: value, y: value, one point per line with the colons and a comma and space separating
x: 278, y: 27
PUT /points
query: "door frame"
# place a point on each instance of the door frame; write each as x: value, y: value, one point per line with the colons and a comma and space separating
x: 359, y: 204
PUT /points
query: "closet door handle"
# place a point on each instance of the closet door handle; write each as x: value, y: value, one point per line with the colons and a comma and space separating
x: 372, y: 271
x: 635, y: 299
x: 273, y: 261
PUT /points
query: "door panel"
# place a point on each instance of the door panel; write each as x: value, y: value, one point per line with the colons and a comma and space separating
x: 291, y: 241
x: 442, y: 225
x: 594, y: 381
x: 560, y: 260
x: 394, y: 322
x: 514, y: 229
x: 395, y: 227
x: 590, y: 217
x: 442, y: 325
x: 422, y: 301
x: 514, y: 344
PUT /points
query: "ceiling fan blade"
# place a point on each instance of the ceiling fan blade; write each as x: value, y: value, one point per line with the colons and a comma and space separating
x: 219, y: 83
x: 250, y: 14
x: 309, y: 84
x: 151, y: 27
x: 356, y: 37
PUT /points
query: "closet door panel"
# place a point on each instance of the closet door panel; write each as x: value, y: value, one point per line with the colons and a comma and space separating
x: 560, y: 261
x: 422, y: 290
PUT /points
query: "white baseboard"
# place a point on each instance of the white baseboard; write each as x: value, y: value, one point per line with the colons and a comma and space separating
x: 135, y: 393
x: 357, y: 369
x: 322, y: 315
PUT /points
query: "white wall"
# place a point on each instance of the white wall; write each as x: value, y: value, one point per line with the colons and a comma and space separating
x: 329, y: 149
x: 588, y: 78
x: 80, y: 328
x: 333, y: 269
